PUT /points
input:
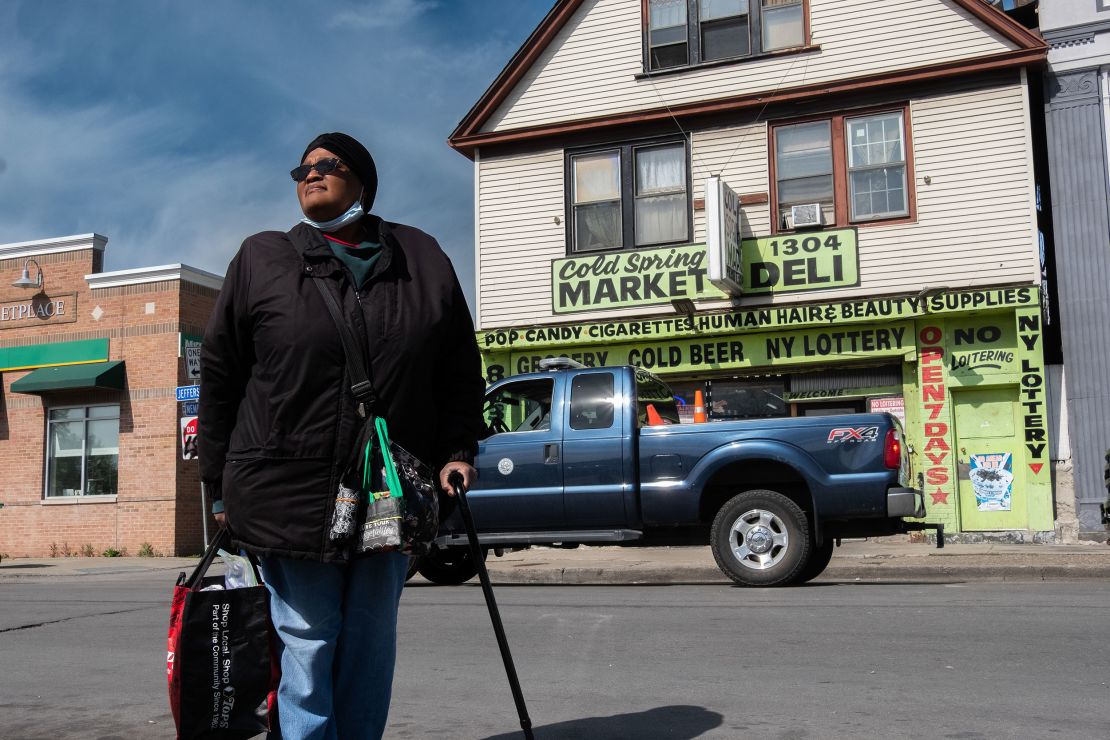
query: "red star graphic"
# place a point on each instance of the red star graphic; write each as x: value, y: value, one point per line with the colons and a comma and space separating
x: 940, y: 498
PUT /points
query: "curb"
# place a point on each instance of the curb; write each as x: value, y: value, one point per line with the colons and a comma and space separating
x: 881, y: 572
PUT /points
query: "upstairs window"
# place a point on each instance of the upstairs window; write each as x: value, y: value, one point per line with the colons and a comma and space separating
x: 855, y: 168
x: 630, y: 195
x: 689, y: 32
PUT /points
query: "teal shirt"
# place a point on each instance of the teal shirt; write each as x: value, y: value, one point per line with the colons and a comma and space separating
x: 359, y: 260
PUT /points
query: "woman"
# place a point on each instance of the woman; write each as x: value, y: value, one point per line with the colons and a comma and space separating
x: 278, y: 423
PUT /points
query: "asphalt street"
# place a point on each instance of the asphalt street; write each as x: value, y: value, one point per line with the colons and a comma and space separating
x: 85, y: 659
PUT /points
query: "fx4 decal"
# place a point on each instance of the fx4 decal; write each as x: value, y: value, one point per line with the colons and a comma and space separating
x: 853, y: 434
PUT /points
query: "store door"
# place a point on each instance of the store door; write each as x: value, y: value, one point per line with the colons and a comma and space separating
x: 988, y: 454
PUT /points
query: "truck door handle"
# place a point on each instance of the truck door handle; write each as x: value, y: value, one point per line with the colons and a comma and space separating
x: 550, y: 453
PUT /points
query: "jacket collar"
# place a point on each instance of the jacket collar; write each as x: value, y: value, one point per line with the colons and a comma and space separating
x: 314, y: 247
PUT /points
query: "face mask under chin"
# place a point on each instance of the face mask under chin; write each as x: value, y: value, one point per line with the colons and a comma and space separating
x: 350, y: 216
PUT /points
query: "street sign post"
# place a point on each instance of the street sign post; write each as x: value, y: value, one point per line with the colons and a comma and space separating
x: 188, y: 393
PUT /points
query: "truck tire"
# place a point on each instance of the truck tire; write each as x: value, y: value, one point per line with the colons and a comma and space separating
x: 448, y: 566
x: 413, y: 564
x: 760, y: 538
x: 819, y: 557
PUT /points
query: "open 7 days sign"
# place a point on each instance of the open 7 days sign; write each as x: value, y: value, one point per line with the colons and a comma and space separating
x: 785, y: 263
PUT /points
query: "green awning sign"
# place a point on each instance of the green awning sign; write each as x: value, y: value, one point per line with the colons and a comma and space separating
x: 806, y: 260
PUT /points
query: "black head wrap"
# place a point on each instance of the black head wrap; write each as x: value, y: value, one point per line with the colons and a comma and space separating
x: 354, y: 155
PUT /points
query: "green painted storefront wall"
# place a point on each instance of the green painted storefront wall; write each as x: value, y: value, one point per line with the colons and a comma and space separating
x: 28, y: 357
x: 952, y: 342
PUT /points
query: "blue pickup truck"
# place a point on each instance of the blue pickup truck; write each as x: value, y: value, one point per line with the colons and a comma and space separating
x: 597, y: 456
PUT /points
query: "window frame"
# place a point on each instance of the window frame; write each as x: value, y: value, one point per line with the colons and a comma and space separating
x: 694, y: 58
x: 841, y: 188
x: 627, y: 151
x: 85, y: 419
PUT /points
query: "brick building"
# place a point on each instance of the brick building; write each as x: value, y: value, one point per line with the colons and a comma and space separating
x: 90, y: 433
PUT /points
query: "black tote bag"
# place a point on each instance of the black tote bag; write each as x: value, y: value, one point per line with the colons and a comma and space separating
x: 221, y: 662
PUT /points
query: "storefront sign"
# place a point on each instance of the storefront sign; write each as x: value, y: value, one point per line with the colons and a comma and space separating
x: 934, y: 401
x: 1031, y: 392
x: 54, y: 354
x: 639, y: 277
x: 789, y: 263
x: 188, y: 438
x: 980, y: 347
x: 755, y: 350
x: 38, y: 309
x: 732, y: 322
x: 722, y: 224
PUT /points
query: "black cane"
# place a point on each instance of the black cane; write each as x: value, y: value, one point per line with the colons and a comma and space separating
x: 456, y: 481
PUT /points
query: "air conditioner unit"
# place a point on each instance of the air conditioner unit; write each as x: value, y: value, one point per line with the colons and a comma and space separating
x: 803, y: 216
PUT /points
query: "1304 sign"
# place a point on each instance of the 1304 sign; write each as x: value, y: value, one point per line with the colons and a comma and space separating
x: 808, y: 260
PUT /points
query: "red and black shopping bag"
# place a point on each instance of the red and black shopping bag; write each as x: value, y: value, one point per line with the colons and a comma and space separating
x: 221, y: 663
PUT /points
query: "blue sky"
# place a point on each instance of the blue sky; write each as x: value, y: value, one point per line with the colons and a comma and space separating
x: 170, y: 127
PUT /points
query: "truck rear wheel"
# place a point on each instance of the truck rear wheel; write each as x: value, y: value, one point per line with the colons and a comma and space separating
x: 448, y: 566
x: 760, y: 538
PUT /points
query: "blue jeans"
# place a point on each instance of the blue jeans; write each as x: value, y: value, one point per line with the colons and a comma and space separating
x: 338, y: 629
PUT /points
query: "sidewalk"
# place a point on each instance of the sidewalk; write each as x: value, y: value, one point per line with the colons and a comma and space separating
x: 889, y: 559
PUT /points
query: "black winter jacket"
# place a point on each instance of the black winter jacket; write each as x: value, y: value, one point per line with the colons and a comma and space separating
x: 277, y: 418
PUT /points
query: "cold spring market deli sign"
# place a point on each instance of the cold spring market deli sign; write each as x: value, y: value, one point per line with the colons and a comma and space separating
x: 642, y: 277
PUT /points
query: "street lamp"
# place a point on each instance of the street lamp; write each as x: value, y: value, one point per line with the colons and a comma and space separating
x: 25, y: 280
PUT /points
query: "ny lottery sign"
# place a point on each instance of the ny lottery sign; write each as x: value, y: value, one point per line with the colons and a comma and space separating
x: 642, y: 277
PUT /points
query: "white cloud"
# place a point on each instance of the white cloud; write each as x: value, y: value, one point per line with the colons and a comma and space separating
x: 381, y: 14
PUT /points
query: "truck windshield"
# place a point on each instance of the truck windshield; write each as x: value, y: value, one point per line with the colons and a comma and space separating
x: 523, y: 406
x: 650, y: 389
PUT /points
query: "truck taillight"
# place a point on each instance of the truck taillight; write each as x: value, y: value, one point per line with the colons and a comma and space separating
x: 892, y: 450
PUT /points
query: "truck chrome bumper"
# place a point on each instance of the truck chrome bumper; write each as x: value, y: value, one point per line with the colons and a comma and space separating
x: 905, y: 502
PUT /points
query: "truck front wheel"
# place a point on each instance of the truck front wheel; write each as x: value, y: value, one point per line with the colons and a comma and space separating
x: 760, y: 538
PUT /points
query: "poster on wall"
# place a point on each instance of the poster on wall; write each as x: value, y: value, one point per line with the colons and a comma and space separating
x: 895, y: 406
x: 992, y: 479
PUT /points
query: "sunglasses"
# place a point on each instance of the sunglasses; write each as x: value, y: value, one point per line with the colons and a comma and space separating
x: 324, y: 167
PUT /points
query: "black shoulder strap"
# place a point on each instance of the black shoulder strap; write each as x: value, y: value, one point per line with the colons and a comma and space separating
x: 361, y: 387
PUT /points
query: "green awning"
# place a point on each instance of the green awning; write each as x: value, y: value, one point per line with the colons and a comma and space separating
x: 104, y: 375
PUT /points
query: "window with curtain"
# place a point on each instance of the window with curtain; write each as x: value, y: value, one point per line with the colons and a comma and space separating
x: 82, y: 451
x: 690, y: 32
x: 629, y: 195
x: 876, y: 166
x: 597, y: 201
x: 660, y: 194
x: 856, y: 167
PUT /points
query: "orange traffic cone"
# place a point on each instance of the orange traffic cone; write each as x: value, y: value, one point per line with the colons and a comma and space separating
x: 653, y: 417
x: 699, y: 408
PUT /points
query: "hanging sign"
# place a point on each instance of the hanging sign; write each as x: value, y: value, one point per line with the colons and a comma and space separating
x: 188, y: 438
x: 639, y: 277
x: 722, y: 224
x: 807, y: 260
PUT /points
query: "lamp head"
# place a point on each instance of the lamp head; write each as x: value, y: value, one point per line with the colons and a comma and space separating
x: 25, y: 280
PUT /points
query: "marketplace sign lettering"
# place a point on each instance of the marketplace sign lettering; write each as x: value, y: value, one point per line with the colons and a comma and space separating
x: 630, y: 278
x: 39, y: 309
x: 790, y: 263
x: 756, y: 350
x: 710, y: 324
